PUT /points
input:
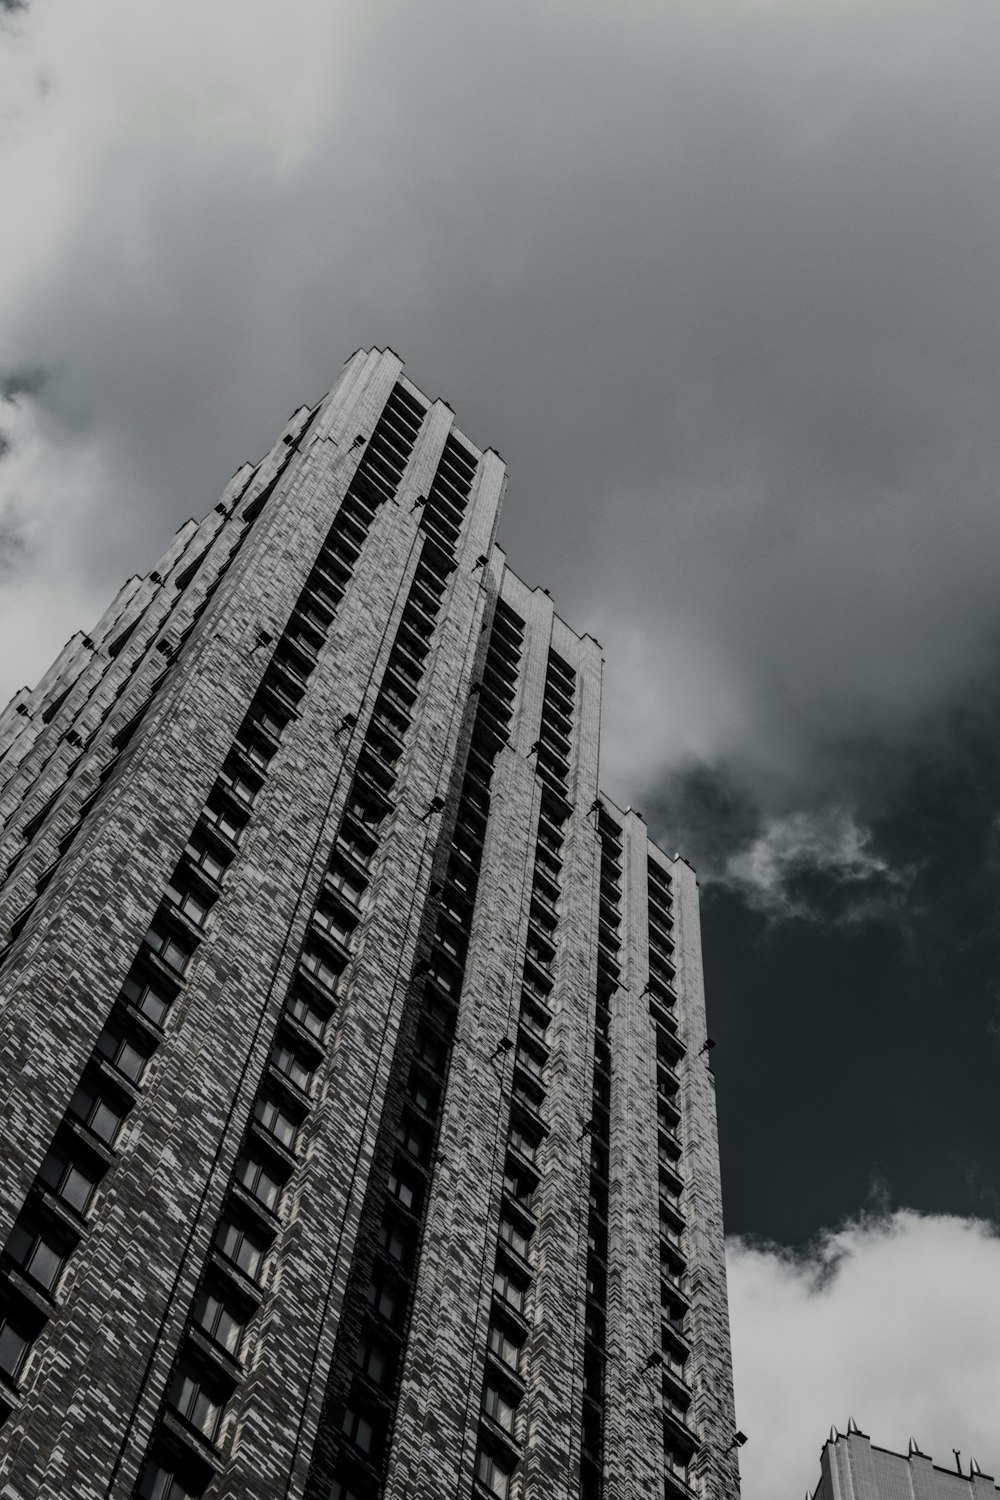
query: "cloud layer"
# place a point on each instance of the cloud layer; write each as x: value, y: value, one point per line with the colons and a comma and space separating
x: 718, y: 281
x: 894, y: 1321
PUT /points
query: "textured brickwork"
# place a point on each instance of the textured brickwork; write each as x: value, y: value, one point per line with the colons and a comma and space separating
x: 633, y: 1445
x: 711, y: 1377
x: 111, y: 771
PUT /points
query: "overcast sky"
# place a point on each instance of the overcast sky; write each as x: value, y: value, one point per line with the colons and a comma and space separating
x: 719, y: 281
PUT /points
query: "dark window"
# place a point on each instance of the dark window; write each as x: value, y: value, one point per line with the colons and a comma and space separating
x: 514, y: 1235
x: 423, y: 1094
x: 395, y: 1241
x: 504, y: 1344
x: 292, y: 1063
x: 159, y: 1482
x: 208, y: 859
x: 493, y: 1469
x: 174, y: 953
x: 188, y: 899
x: 221, y: 818
x: 199, y: 1396
x: 256, y: 751
x: 342, y: 1491
x: 16, y: 1337
x: 518, y: 1183
x: 244, y: 788
x: 308, y: 1013
x: 126, y: 1053
x: 323, y: 969
x: 152, y: 1001
x: 220, y: 1318
x: 386, y: 1298
x: 404, y: 1189
x: 38, y: 1251
x: 522, y: 1142
x: 275, y: 1117
x: 375, y: 1359
x: 71, y: 1178
x: 103, y: 1113
x: 591, y: 1428
x: 357, y: 845
x: 512, y: 1288
x: 501, y: 1405
x: 260, y: 1178
x: 268, y: 719
x: 449, y: 979
x: 244, y: 1246
x: 414, y: 1138
x: 334, y: 921
x: 348, y: 882
x: 366, y: 809
x: 430, y: 1051
x: 359, y: 1429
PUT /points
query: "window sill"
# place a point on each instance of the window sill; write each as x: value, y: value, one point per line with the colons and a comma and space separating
x: 126, y: 1087
x: 89, y: 1140
x: 501, y: 1438
x: 10, y: 1395
x: 154, y: 963
x: 280, y: 1152
x: 69, y: 1219
x: 47, y: 1303
x: 264, y: 1216
x: 252, y: 1291
x: 209, y: 1350
x: 192, y: 1438
x: 328, y: 994
x: 303, y: 1035
x: 296, y: 1095
x: 504, y: 1372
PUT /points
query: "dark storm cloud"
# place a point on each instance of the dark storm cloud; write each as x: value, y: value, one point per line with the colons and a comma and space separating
x: 719, y: 282
x: 28, y: 380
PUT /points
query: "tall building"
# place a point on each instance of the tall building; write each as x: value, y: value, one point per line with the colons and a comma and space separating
x: 852, y: 1468
x: 360, y: 1129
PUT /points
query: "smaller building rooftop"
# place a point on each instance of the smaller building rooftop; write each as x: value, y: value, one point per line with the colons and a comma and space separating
x: 851, y: 1465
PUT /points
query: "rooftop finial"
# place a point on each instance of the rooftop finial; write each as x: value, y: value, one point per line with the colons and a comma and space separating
x: 852, y: 1426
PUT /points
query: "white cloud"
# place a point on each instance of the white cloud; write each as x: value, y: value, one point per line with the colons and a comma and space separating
x: 53, y: 520
x: 894, y: 1321
x: 830, y: 843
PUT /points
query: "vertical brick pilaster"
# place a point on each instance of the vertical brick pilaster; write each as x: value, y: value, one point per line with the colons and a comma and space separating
x: 716, y: 1464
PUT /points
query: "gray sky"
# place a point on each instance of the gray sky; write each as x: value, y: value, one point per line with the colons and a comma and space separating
x: 718, y: 280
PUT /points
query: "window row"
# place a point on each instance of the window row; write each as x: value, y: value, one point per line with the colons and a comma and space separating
x: 207, y: 1373
x: 500, y: 1437
x: 54, y: 1218
x: 367, y: 1372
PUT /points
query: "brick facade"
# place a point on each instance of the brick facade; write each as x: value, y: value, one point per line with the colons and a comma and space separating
x: 303, y: 868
